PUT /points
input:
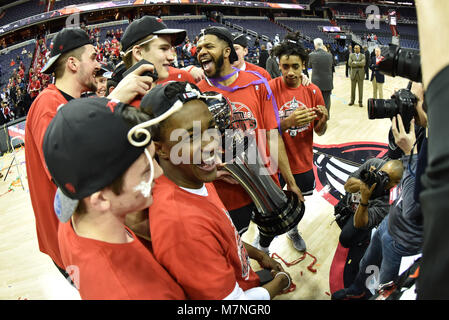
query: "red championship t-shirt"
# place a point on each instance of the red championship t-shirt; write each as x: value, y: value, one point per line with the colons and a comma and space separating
x: 175, y: 74
x: 194, y: 239
x: 299, y: 144
x: 118, y: 271
x: 42, y: 189
x: 251, y: 110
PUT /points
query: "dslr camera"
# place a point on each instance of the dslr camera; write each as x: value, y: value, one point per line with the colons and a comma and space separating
x: 381, y: 178
x: 404, y: 63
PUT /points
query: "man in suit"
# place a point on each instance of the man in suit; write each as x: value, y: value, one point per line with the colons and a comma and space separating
x: 357, y: 63
x: 321, y: 63
x: 263, y: 56
x: 377, y: 78
x: 367, y: 59
x: 347, y: 53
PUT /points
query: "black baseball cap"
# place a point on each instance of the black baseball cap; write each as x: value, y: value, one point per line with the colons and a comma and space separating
x: 106, y: 70
x: 223, y: 34
x: 158, y: 102
x: 240, y: 39
x: 145, y: 26
x: 65, y: 40
x: 86, y: 149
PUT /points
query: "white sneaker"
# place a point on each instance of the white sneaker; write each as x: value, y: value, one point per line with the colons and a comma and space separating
x: 257, y: 245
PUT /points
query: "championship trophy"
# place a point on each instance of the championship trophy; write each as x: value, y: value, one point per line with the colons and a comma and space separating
x: 278, y: 211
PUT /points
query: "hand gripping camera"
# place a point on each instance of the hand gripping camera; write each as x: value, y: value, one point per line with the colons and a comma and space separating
x: 404, y: 63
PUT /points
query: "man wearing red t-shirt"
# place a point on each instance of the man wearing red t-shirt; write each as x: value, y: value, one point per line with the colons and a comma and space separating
x: 253, y: 108
x: 73, y: 61
x: 301, y: 110
x: 192, y: 234
x: 105, y: 259
x: 149, y: 38
x: 241, y: 48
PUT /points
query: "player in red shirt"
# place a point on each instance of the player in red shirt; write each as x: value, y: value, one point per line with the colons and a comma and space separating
x: 97, y: 187
x: 73, y: 61
x: 241, y: 48
x: 192, y: 234
x: 302, y: 111
x: 149, y: 38
x: 252, y: 110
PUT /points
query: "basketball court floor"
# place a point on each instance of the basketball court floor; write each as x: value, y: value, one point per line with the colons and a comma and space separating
x: 26, y: 273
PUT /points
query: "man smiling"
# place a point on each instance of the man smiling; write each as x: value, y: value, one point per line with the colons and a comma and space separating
x: 254, y: 108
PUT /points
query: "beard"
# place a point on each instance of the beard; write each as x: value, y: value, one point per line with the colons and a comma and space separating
x: 218, y: 65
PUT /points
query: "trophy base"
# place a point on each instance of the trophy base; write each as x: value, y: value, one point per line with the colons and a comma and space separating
x: 283, y: 220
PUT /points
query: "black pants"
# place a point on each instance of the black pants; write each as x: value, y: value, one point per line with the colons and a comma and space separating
x: 351, y: 236
x: 306, y: 183
x: 327, y: 100
x: 241, y: 217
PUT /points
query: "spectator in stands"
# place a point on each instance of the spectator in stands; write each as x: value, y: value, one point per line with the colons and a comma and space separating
x: 241, y: 48
x: 400, y: 234
x: 72, y: 59
x: 321, y: 63
x: 357, y: 64
x: 377, y: 77
x: 263, y: 56
x: 35, y: 87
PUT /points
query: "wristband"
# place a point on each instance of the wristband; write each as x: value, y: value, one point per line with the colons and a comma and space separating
x: 363, y: 204
x: 289, y: 280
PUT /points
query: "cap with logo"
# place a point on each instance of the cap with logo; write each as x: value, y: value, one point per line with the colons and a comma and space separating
x: 146, y: 26
x: 86, y: 149
x: 223, y: 34
x: 240, y: 39
x: 65, y: 40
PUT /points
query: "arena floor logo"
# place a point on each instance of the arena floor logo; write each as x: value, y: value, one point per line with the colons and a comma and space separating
x: 332, y: 165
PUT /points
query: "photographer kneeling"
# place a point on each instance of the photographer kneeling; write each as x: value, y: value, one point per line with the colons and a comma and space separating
x: 369, y: 187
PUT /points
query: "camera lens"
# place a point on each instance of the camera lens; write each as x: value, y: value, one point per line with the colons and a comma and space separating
x: 382, y: 108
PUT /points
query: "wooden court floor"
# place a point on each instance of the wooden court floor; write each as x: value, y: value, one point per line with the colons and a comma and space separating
x: 26, y: 273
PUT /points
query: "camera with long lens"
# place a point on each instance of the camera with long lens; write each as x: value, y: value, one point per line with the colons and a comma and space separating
x: 381, y: 178
x: 402, y: 62
x: 402, y: 102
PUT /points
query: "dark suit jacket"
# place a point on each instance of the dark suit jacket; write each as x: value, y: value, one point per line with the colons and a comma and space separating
x: 380, y: 78
x: 263, y: 56
x: 321, y: 63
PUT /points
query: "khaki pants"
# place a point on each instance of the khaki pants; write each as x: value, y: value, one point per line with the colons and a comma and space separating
x: 378, y: 87
x: 357, y: 81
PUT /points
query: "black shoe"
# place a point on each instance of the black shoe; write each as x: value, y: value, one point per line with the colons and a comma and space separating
x: 361, y: 105
x: 347, y: 294
x: 351, y: 104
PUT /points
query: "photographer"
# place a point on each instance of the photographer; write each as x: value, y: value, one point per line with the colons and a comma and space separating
x: 401, y: 234
x: 433, y: 282
x: 368, y: 199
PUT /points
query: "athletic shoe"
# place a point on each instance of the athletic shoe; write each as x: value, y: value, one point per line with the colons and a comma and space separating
x: 347, y: 294
x: 256, y: 244
x: 298, y: 242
